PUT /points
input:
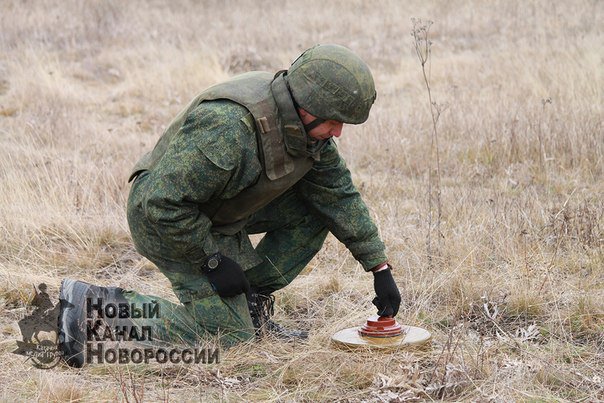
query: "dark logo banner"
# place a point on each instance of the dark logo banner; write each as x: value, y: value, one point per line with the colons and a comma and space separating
x: 40, y: 331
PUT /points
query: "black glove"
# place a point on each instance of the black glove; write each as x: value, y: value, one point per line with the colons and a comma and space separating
x: 388, y: 297
x: 226, y: 276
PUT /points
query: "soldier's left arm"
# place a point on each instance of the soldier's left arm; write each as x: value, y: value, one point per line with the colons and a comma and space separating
x: 329, y: 192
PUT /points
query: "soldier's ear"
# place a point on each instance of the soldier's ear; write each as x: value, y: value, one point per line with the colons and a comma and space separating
x: 302, y: 113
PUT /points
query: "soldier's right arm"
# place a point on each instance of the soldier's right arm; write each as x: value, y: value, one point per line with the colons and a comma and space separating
x: 196, y: 167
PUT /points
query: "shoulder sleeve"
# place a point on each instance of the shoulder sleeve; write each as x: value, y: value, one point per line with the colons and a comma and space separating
x: 196, y: 167
x: 329, y: 192
x: 216, y: 127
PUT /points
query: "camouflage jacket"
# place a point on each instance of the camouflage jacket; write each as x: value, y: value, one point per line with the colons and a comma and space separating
x: 215, y: 155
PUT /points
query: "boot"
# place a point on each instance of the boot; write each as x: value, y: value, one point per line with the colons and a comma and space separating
x: 72, y: 317
x: 261, y: 309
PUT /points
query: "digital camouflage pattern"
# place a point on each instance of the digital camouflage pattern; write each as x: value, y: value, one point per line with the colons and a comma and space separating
x: 331, y: 82
x: 214, y: 155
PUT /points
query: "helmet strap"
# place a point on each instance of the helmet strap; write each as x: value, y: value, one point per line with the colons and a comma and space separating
x: 314, y: 123
x: 308, y: 127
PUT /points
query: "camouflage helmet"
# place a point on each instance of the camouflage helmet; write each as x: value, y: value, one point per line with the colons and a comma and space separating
x: 332, y: 83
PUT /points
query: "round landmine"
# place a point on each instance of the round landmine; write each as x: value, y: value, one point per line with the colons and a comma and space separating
x: 382, y: 333
x: 381, y: 326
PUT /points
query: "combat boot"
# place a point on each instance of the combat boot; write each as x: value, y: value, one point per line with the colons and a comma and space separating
x: 261, y: 309
x: 73, y: 316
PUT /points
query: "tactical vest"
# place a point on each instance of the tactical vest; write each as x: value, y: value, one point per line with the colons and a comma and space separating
x: 283, y: 148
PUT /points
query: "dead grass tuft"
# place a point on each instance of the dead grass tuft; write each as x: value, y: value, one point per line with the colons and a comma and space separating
x: 58, y: 389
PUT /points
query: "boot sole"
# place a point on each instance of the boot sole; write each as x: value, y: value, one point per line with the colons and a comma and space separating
x: 72, y: 321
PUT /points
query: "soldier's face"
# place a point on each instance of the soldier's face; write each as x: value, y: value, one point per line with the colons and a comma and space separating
x: 327, y: 129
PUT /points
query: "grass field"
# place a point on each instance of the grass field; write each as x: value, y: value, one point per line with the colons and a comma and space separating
x: 509, y: 276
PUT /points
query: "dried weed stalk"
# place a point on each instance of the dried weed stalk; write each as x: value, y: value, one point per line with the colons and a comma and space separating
x: 423, y: 49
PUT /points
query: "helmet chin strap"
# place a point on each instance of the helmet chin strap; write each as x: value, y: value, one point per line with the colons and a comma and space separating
x: 308, y: 127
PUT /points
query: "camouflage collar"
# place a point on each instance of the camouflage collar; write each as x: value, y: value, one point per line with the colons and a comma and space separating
x: 297, y: 142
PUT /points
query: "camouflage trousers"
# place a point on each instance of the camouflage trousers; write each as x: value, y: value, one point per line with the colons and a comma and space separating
x: 293, y: 235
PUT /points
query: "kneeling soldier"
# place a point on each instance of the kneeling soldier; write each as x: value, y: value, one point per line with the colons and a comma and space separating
x: 251, y: 155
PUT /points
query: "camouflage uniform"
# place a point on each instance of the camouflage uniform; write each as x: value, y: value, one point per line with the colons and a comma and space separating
x: 212, y: 153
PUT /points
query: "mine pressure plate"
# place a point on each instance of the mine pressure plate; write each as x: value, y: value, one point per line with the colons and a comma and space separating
x: 382, y: 332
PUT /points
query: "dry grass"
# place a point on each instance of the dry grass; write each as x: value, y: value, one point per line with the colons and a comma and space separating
x: 515, y: 298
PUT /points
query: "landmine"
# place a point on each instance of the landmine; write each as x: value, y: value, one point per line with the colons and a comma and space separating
x: 383, y: 333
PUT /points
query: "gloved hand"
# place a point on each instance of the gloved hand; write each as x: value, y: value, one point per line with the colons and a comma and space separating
x: 226, y: 276
x: 388, y: 297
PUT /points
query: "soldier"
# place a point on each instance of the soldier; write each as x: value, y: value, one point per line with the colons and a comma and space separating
x: 254, y: 154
